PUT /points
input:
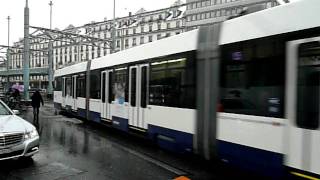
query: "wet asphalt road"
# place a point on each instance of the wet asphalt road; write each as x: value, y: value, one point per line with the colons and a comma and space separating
x: 73, y: 149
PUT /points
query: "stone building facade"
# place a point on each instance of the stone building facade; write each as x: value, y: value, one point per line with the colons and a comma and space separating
x: 132, y: 30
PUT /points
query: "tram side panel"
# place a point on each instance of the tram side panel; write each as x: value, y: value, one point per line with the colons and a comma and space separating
x: 161, y: 102
x: 251, y: 124
x: 172, y: 128
x: 69, y: 101
x: 171, y: 110
x: 165, y: 106
x: 80, y: 95
x: 57, y: 94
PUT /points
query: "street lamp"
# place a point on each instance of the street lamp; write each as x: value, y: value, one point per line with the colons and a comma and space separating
x: 8, y: 53
x: 50, y: 58
x: 50, y: 4
x: 26, y: 52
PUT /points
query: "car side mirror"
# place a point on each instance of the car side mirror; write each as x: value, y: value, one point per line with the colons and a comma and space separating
x: 16, y: 112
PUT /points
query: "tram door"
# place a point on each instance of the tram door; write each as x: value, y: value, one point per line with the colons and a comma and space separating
x: 74, y: 92
x: 106, y: 95
x: 63, y: 103
x: 303, y: 105
x: 138, y: 95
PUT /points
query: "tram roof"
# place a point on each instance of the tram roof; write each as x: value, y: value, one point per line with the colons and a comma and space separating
x: 290, y: 17
x: 76, y: 68
x: 172, y: 45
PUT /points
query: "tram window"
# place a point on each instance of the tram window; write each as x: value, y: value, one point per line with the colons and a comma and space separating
x: 58, y: 84
x: 110, y: 93
x: 133, y: 87
x: 308, y: 85
x: 172, y: 82
x: 103, y: 87
x: 95, y: 84
x: 68, y: 86
x: 252, y: 78
x: 119, y: 85
x: 144, y: 87
x: 81, y: 86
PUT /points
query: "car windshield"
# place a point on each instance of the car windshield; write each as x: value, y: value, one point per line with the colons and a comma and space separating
x: 4, y: 110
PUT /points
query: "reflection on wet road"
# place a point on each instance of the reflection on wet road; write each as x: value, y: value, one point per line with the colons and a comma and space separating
x: 72, y: 149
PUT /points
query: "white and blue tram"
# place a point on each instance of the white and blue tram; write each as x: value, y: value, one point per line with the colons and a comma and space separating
x: 246, y: 91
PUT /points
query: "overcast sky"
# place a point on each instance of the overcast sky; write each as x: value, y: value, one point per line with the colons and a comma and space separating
x: 65, y: 12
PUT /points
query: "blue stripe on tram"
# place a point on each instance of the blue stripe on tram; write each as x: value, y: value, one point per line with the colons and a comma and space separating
x: 260, y: 161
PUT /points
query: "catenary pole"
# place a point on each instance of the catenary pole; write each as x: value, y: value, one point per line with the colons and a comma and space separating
x: 50, y: 58
x: 8, y: 55
x: 26, y: 52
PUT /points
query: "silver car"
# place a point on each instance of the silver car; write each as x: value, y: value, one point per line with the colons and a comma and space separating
x: 18, y: 138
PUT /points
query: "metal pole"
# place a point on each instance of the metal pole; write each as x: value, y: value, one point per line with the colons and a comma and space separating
x: 8, y: 54
x: 50, y: 77
x: 50, y: 4
x: 113, y: 32
x: 50, y: 53
x: 26, y: 52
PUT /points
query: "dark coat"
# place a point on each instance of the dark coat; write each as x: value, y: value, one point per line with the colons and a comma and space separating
x: 36, y: 99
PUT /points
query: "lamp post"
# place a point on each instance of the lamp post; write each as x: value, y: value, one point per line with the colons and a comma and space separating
x: 26, y: 52
x: 50, y: 58
x: 50, y: 4
x: 8, y: 54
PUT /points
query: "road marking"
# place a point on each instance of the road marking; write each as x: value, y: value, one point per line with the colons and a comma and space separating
x: 304, y: 176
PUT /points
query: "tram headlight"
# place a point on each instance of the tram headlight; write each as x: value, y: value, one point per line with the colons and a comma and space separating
x: 31, y: 134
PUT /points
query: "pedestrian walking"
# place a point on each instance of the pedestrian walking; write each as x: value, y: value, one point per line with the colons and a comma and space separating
x: 36, y: 100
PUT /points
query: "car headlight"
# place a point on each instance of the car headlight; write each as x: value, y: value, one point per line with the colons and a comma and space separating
x: 31, y: 134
